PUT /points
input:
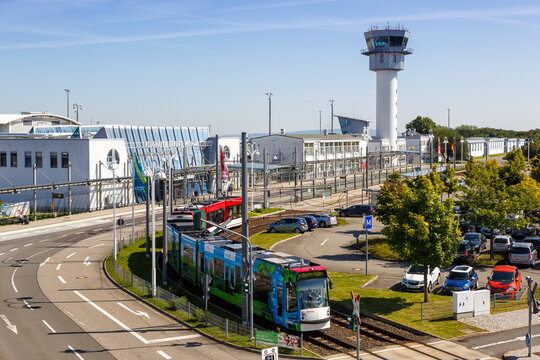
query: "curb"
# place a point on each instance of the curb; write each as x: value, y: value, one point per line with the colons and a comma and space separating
x: 189, y: 326
x: 284, y: 240
x: 370, y: 281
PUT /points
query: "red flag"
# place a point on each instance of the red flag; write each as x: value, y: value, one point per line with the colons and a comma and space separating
x: 453, y: 147
x: 440, y: 149
x: 224, y: 169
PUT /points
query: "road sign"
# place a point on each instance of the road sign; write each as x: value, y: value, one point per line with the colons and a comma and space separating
x: 527, y: 339
x: 120, y: 222
x: 368, y: 222
x: 270, y: 353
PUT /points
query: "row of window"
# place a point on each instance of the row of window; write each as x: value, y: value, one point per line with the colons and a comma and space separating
x: 38, y: 159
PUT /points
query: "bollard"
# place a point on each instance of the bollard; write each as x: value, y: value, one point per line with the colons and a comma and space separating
x: 421, y: 311
x: 188, y: 309
x: 226, y: 327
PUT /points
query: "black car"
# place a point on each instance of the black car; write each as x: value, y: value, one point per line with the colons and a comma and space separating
x: 356, y: 210
x: 465, y: 252
x: 311, y: 222
x: 533, y: 240
x: 520, y: 234
x: 487, y: 232
x: 477, y: 240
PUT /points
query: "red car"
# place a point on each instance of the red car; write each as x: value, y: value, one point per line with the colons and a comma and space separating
x: 504, y: 279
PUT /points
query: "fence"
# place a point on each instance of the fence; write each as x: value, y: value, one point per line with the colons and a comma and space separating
x: 189, y: 311
x: 498, y: 301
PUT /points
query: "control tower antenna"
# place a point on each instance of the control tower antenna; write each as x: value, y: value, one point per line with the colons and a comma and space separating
x: 386, y: 49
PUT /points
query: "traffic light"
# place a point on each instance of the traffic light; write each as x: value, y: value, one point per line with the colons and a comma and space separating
x: 198, y: 223
x: 246, y: 288
x: 352, y: 322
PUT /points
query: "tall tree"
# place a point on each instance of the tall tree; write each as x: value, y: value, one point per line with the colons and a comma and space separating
x: 422, y: 125
x: 535, y: 169
x: 418, y: 226
x: 512, y: 171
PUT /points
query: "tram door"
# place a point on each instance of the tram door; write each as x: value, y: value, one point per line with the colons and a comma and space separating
x: 279, y: 303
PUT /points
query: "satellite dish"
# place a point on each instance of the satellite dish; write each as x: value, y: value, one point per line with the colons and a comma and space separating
x: 113, y: 159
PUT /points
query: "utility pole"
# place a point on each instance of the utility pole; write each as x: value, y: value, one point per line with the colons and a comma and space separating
x: 431, y: 153
x: 165, y: 232
x: 269, y: 94
x: 69, y: 188
x: 448, y: 119
x: 67, y: 94
x: 218, y: 168
x: 320, y: 121
x: 454, y: 150
x: 34, y: 195
x: 185, y: 182
x: 147, y: 217
x: 295, y: 176
x: 331, y: 116
x: 245, y: 232
x: 265, y: 178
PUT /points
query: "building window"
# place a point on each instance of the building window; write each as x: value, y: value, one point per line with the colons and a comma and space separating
x: 395, y: 58
x: 54, y: 159
x: 381, y: 59
x: 13, y: 159
x: 39, y: 159
x: 55, y: 122
x: 3, y: 159
x: 65, y: 159
x: 27, y: 122
x: 27, y: 159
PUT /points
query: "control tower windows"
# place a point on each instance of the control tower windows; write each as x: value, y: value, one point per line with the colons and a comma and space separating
x: 381, y: 41
x: 370, y: 43
x: 381, y: 59
x: 396, y: 41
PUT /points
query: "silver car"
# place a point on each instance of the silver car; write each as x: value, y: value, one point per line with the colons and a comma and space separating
x: 522, y: 253
x: 502, y: 243
x: 324, y: 219
x: 290, y: 224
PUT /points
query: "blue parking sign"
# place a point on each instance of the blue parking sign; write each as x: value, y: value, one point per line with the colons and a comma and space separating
x: 368, y: 222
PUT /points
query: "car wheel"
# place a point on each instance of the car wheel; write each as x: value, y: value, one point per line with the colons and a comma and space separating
x: 438, y: 279
x: 430, y: 288
x: 272, y: 230
x: 322, y: 224
x: 297, y: 230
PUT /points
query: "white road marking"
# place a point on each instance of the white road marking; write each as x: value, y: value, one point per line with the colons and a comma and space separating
x: 174, y: 338
x: 79, y: 233
x: 2, y: 254
x: 118, y: 322
x: 49, y: 326
x: 44, y: 262
x: 63, y: 236
x: 10, y: 326
x: 138, y: 313
x: 14, y: 271
x: 98, y: 229
x: 86, y: 262
x: 58, y: 266
x: 76, y: 353
x: 28, y: 305
x: 436, y: 342
x: 43, y: 240
x: 95, y: 246
x: 70, y: 255
x: 392, y: 349
x: 62, y: 280
x: 14, y: 249
x: 163, y: 354
x: 324, y: 242
x: 28, y: 244
x: 519, y: 338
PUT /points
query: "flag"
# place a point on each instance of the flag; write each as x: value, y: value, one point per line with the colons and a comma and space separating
x: 139, y: 178
x: 224, y: 168
x: 440, y: 149
x: 453, y: 148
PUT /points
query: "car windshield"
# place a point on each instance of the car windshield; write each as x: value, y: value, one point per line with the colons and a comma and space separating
x: 416, y: 269
x: 455, y: 275
x: 500, y: 241
x: 520, y: 250
x: 471, y: 237
x: 312, y: 293
x: 502, y: 276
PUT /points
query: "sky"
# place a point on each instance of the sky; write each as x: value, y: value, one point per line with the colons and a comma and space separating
x: 200, y: 63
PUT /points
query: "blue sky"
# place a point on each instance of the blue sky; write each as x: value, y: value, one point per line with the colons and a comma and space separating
x: 211, y: 62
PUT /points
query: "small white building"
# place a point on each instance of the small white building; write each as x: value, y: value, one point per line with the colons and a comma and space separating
x: 494, y: 146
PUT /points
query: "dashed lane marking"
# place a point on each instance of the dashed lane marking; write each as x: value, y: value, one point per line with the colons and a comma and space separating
x: 95, y: 246
x: 62, y: 280
x: 164, y: 355
x: 49, y: 326
x: 45, y: 261
x: 28, y: 305
x: 28, y: 244
x: 43, y: 240
x: 324, y: 242
x: 58, y: 267
x: 76, y: 353
x: 70, y: 255
x: 14, y: 249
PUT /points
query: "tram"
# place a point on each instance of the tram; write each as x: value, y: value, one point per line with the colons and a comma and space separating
x: 287, y: 290
x: 217, y: 211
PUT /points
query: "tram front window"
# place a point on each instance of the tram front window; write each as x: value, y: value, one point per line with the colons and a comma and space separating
x: 312, y: 293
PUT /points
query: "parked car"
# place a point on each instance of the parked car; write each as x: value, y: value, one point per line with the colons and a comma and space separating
x: 522, y: 253
x: 465, y: 252
x: 456, y: 209
x: 533, y: 240
x: 311, y: 221
x: 290, y: 224
x: 488, y: 233
x: 356, y: 210
x: 520, y: 234
x: 504, y: 279
x: 414, y: 278
x: 477, y: 240
x: 461, y: 182
x: 502, y: 243
x: 324, y: 219
x: 465, y: 226
x: 460, y: 278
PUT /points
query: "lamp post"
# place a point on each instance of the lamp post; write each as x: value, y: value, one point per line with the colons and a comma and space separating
x: 169, y: 162
x: 445, y: 153
x: 113, y: 161
x: 77, y: 108
x: 331, y: 116
x: 528, y: 149
x: 252, y: 154
x: 269, y: 94
x: 320, y: 121
x: 67, y: 94
x: 461, y: 141
x: 153, y: 177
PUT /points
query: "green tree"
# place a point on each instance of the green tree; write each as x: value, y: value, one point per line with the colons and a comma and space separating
x: 422, y: 125
x: 418, y: 226
x: 535, y: 169
x: 512, y: 171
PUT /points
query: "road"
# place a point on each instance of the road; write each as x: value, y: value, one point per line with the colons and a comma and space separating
x: 59, y: 305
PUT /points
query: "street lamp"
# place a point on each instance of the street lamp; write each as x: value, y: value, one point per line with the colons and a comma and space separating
x: 461, y: 141
x: 331, y: 116
x: 77, y: 108
x: 252, y: 154
x: 445, y: 153
x: 169, y: 161
x: 159, y: 175
x: 113, y: 161
x: 269, y: 94
x: 67, y: 94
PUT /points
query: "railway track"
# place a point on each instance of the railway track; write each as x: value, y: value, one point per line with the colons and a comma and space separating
x: 329, y: 342
x: 259, y: 224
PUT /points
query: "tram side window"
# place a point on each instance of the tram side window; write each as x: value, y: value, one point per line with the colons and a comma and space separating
x: 238, y: 277
x: 233, y: 211
x: 188, y: 255
x: 217, y: 216
x: 219, y: 268
x: 261, y: 287
x: 201, y: 262
x: 292, y: 303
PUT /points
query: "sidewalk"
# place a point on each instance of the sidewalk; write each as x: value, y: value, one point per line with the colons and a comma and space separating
x: 522, y: 354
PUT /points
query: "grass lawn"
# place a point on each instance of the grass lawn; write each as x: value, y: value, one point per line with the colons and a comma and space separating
x: 258, y: 212
x: 265, y: 239
x: 379, y: 248
x: 399, y: 306
x: 484, y: 260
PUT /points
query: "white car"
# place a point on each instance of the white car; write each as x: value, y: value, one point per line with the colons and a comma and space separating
x: 414, y: 278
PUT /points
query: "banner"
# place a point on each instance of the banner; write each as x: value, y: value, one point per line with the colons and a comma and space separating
x: 224, y: 168
x: 139, y: 178
x: 14, y: 210
x: 281, y: 340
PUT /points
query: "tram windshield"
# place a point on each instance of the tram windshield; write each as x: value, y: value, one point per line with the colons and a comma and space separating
x: 312, y: 293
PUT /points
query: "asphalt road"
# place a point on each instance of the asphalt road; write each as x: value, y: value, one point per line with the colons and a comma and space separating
x: 59, y: 305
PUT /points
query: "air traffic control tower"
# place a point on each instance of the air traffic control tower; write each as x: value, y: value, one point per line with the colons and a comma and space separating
x: 386, y: 50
